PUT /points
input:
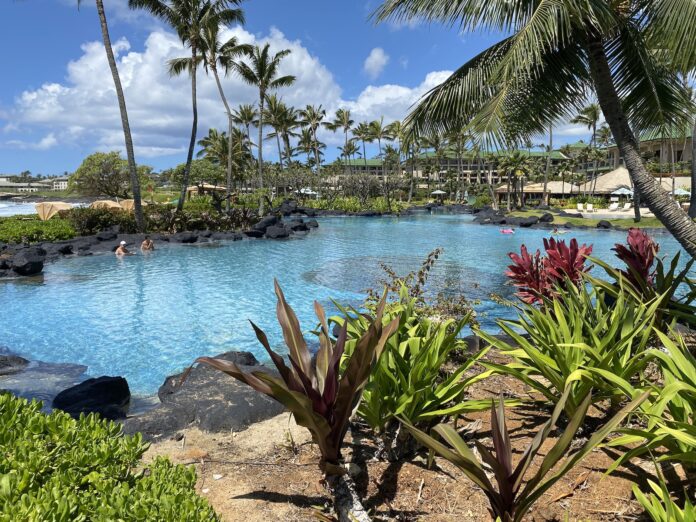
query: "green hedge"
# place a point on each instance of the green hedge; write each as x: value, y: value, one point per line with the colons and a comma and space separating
x: 53, y: 467
x: 18, y: 229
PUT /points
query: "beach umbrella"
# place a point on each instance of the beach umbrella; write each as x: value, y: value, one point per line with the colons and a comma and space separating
x: 105, y: 203
x: 50, y: 208
x: 681, y: 192
x: 129, y: 204
x: 438, y: 193
x: 623, y: 191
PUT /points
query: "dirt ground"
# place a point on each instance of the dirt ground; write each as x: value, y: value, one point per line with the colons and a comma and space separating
x: 269, y: 473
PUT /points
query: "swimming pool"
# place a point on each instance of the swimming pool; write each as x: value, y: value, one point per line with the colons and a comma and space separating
x: 148, y: 316
x: 10, y: 208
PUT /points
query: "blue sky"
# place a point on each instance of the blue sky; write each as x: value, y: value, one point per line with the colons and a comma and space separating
x: 58, y: 105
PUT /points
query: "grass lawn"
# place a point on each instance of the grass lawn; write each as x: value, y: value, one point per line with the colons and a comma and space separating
x: 645, y: 222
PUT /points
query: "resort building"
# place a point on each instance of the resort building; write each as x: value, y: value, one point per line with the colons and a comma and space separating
x: 535, y: 191
x: 662, y: 148
x: 607, y: 184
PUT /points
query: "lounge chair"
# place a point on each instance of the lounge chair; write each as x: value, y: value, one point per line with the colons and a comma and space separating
x: 613, y: 207
x: 581, y: 207
x: 627, y: 206
x: 590, y: 207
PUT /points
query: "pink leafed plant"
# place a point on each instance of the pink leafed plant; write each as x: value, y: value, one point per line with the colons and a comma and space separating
x: 639, y: 257
x: 538, y: 277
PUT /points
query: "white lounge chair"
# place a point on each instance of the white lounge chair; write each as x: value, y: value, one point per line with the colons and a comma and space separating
x: 613, y: 207
x: 581, y: 207
x: 627, y: 206
x: 590, y: 207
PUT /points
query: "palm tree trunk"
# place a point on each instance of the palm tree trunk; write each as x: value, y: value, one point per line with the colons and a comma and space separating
x: 364, y: 155
x: 348, y: 160
x: 316, y: 151
x: 413, y: 175
x: 130, y: 154
x: 194, y: 130
x: 228, y: 192
x: 509, y: 187
x: 692, y: 200
x: 545, y: 195
x: 262, y: 96
x: 664, y: 208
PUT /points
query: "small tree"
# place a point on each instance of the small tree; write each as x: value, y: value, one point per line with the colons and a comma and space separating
x: 104, y: 174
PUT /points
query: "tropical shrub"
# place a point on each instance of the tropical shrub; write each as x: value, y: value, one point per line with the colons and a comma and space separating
x: 89, y: 221
x: 320, y: 396
x: 32, y: 230
x: 540, y: 277
x: 482, y: 200
x: 660, y: 507
x: 554, y: 346
x: 408, y: 380
x: 647, y: 277
x: 53, y: 467
x: 509, y: 501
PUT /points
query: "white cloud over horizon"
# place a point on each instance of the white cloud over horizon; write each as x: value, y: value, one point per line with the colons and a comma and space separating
x: 375, y: 63
x: 82, y: 110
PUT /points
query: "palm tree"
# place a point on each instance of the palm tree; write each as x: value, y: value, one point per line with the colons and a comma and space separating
x: 349, y: 150
x: 262, y: 72
x: 190, y: 18
x: 312, y: 117
x: 215, y: 146
x: 379, y: 132
x: 589, y: 116
x: 275, y: 114
x: 363, y: 133
x: 216, y: 54
x: 515, y: 164
x: 556, y: 53
x: 246, y: 115
x: 342, y: 121
x: 130, y: 154
x: 545, y: 195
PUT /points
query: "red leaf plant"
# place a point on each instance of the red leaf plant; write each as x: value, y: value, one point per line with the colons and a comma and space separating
x: 538, y: 277
x: 639, y: 257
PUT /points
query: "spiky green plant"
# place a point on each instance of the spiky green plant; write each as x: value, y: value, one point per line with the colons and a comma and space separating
x: 321, y: 397
x: 509, y: 501
x: 660, y: 507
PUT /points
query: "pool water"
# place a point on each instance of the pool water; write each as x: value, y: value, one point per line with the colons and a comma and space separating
x: 8, y: 208
x: 148, y: 316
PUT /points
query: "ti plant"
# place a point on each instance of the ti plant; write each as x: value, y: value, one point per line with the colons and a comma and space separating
x: 322, y: 398
x: 408, y: 381
x: 555, y: 347
x: 539, y: 278
x: 508, y: 500
x: 648, y: 277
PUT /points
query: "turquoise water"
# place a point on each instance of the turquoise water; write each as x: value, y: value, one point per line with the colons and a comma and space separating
x: 148, y: 316
x: 8, y: 208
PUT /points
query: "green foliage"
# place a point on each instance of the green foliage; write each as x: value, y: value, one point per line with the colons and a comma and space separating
x: 199, y: 204
x: 509, y: 501
x: 89, y: 221
x: 320, y: 396
x: 407, y: 381
x: 555, y: 347
x: 202, y: 171
x: 32, y: 230
x: 53, y: 467
x: 482, y: 200
x: 660, y: 507
x: 104, y: 174
x: 341, y: 204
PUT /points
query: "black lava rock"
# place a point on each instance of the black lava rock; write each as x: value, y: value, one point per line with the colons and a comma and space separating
x: 603, y: 224
x: 108, y: 396
x: 11, y: 364
x: 529, y: 221
x: 277, y: 232
x: 312, y: 223
x: 185, y: 237
x: 266, y: 222
x: 107, y: 235
x: 29, y: 261
x: 253, y: 233
x: 546, y: 217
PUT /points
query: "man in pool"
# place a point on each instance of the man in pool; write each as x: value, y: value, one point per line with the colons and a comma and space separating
x: 122, y: 250
x: 148, y: 245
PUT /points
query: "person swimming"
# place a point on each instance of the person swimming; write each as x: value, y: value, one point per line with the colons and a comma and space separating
x: 148, y: 245
x: 122, y: 250
x: 507, y: 230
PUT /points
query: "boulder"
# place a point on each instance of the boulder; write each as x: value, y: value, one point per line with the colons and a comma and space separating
x: 297, y: 225
x: 287, y: 207
x: 603, y: 224
x: 83, y: 248
x: 528, y: 221
x: 546, y: 217
x: 11, y: 364
x: 221, y: 236
x: 185, y: 237
x: 253, y: 233
x: 312, y: 223
x: 107, y: 396
x: 367, y: 213
x: 107, y: 235
x: 268, y: 221
x: 29, y: 261
x: 277, y: 232
x: 65, y: 250
x: 208, y: 400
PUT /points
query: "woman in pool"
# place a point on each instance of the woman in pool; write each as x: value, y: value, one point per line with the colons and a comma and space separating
x: 507, y: 230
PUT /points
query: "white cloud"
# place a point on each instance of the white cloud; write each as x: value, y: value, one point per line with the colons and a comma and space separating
x: 82, y: 111
x: 375, y: 63
x: 47, y: 142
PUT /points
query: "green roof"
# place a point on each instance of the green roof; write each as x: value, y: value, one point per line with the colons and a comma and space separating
x: 360, y: 162
x: 673, y: 133
x: 577, y: 145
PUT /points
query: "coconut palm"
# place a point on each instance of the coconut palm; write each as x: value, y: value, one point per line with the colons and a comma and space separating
x: 313, y: 117
x: 363, y: 133
x: 275, y: 114
x: 349, y: 150
x: 216, y: 54
x: 589, y: 116
x: 262, y: 72
x: 309, y: 145
x: 516, y: 165
x: 246, y: 115
x: 130, y: 154
x: 379, y: 132
x: 215, y: 147
x: 189, y: 18
x: 342, y: 121
x: 555, y: 55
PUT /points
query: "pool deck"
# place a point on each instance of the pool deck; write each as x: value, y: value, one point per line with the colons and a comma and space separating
x: 603, y: 213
